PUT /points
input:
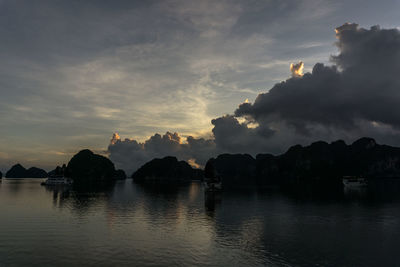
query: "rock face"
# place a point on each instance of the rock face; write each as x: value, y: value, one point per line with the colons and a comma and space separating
x: 166, y: 170
x: 18, y: 171
x: 89, y: 169
x: 318, y: 165
x: 120, y: 175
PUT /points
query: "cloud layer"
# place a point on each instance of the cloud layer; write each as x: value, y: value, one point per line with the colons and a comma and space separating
x: 359, y: 95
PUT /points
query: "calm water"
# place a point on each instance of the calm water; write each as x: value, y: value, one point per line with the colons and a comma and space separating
x: 133, y: 225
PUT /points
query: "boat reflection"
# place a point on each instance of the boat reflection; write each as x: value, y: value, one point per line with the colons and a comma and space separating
x: 211, y: 201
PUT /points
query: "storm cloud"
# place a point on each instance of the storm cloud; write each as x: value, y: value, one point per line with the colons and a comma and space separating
x: 358, y: 95
x: 362, y: 86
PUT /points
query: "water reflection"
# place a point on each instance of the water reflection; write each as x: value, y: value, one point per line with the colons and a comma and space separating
x: 211, y: 201
x: 149, y: 225
x: 14, y: 185
x: 60, y: 195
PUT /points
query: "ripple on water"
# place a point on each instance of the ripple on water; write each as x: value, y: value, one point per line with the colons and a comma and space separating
x: 132, y: 225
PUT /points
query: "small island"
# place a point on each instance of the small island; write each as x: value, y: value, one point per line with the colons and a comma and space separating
x: 89, y: 169
x: 18, y: 171
x: 166, y: 170
x: 85, y: 170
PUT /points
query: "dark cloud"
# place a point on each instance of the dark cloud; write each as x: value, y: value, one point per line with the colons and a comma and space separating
x: 357, y: 96
x: 363, y: 85
x: 235, y: 137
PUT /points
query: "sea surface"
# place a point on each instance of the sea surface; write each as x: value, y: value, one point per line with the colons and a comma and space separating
x: 133, y: 225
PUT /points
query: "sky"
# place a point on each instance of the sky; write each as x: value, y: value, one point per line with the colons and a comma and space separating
x: 190, y: 78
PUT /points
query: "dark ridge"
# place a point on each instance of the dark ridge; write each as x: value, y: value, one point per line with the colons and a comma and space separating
x: 18, y: 171
x: 166, y: 170
x: 319, y: 165
x: 34, y: 172
x: 235, y: 168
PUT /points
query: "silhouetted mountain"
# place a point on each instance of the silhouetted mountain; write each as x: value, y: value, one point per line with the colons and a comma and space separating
x: 234, y: 169
x: 89, y: 169
x: 34, y: 172
x: 167, y: 169
x: 18, y: 171
x: 318, y: 165
x: 120, y: 175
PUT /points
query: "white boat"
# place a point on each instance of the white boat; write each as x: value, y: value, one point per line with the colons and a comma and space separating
x: 354, y: 181
x: 58, y: 180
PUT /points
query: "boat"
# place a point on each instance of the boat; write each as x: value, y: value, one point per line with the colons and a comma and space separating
x: 354, y: 181
x: 58, y: 180
x: 212, y: 186
x: 212, y: 182
x: 58, y: 177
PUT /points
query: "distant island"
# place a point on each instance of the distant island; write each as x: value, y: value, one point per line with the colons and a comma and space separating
x: 18, y: 171
x: 166, y: 170
x: 86, y: 169
x: 319, y: 165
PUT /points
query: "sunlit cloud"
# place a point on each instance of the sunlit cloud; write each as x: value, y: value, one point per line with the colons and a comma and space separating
x: 297, y: 69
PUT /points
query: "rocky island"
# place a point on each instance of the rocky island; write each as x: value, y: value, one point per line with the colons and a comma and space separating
x: 18, y: 171
x: 319, y: 165
x: 91, y: 170
x: 166, y: 170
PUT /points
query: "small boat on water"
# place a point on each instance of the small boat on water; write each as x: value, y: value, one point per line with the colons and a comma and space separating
x: 58, y: 177
x: 212, y: 183
x: 354, y: 181
x: 212, y: 186
x: 58, y: 180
